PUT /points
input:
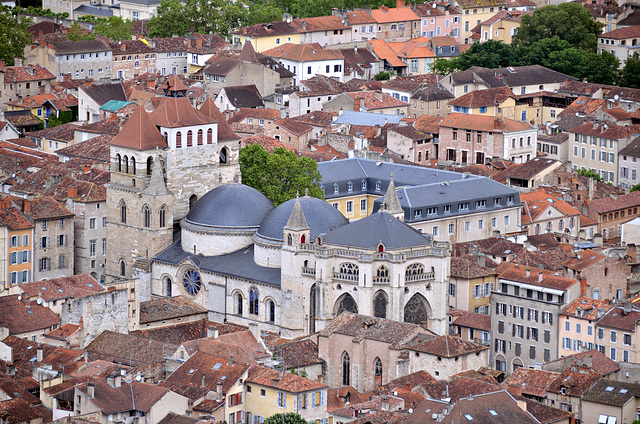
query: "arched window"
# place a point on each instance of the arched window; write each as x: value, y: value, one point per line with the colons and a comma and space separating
x: 200, y: 137
x: 346, y: 369
x: 118, y: 163
x: 377, y: 372
x: 125, y: 161
x: 303, y: 239
x: 209, y: 136
x: 271, y: 310
x: 381, y: 248
x: 238, y: 304
x: 163, y: 216
x: 123, y: 212
x: 146, y: 216
x: 289, y: 240
x: 415, y: 311
x: 149, y: 165
x: 133, y: 165
x: 382, y: 275
x: 178, y: 139
x: 346, y: 304
x: 253, y: 301
x: 349, y: 271
x: 167, y: 286
x: 189, y: 138
x: 123, y: 268
x: 192, y: 201
x: 224, y: 155
x: 380, y: 305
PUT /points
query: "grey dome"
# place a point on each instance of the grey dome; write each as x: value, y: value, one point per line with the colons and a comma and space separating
x: 321, y: 218
x: 230, y: 205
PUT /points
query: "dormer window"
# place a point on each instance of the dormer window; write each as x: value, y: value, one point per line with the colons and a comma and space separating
x: 378, y: 186
x: 380, y: 248
x: 363, y: 184
x: 349, y: 186
x: 336, y: 189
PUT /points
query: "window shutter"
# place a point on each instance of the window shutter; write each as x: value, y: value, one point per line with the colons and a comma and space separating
x: 284, y: 400
x: 29, y: 256
x: 309, y: 401
x: 513, y: 329
x: 528, y: 314
x: 497, y: 308
x: 299, y: 401
x: 323, y: 398
x: 29, y: 275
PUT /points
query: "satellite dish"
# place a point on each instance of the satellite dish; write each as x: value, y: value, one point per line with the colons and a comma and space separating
x: 39, y: 301
x: 616, y: 97
x: 138, y: 377
x: 20, y: 297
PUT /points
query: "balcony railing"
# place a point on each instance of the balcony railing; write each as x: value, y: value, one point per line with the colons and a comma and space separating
x: 345, y: 277
x: 308, y: 271
x: 419, y: 277
x: 381, y: 280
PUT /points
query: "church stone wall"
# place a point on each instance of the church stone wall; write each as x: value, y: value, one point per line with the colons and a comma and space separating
x: 213, y: 244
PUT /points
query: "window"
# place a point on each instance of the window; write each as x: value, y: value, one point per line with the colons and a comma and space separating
x: 467, y: 226
x: 15, y: 241
x: 612, y: 354
x: 45, y: 264
x: 350, y: 206
x: 282, y: 399
x: 452, y: 289
x: 614, y: 336
x: 123, y: 212
x: 25, y: 240
x: 363, y: 205
x: 92, y: 223
x: 253, y: 301
x: 61, y: 240
x: 146, y: 216
x: 435, y: 230
x: 600, y: 333
x: 44, y: 242
x: 506, y: 220
x: 481, y: 224
x: 451, y: 228
x: 626, y: 339
x: 346, y: 369
x: 104, y: 246
x: 61, y: 262
x: 92, y: 248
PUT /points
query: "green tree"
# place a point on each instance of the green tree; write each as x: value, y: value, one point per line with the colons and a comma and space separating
x: 260, y: 11
x: 77, y: 33
x: 571, y: 22
x: 590, y: 174
x: 382, y: 76
x: 635, y: 188
x: 114, y: 28
x: 538, y: 53
x: 65, y: 116
x: 288, y: 418
x: 490, y: 54
x: 279, y: 175
x: 171, y: 20
x: 630, y: 74
x: 14, y: 36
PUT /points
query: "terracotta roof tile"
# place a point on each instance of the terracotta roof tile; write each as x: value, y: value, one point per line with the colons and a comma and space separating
x: 620, y: 319
x: 139, y: 133
x: 576, y: 380
x: 126, y: 349
x: 167, y: 308
x: 447, y: 346
x: 71, y: 287
x: 385, y: 52
x: 532, y: 382
x: 127, y: 397
x: 548, y: 280
x: 269, y: 143
x: 18, y: 410
x: 268, y: 30
x: 21, y: 317
x: 320, y: 23
x: 473, y: 320
x: 392, y: 14
x: 17, y: 74
x: 483, y: 123
x: 598, y: 361
x: 96, y: 149
x: 588, y: 307
x: 243, y: 113
x: 468, y: 266
x: 298, y: 353
x: 291, y: 383
x: 358, y: 17
x: 303, y: 52
x: 609, y: 204
x: 14, y: 219
x: 622, y: 33
x: 214, y: 369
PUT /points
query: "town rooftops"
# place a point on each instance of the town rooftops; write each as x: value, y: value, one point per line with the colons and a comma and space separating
x: 71, y: 287
x: 372, y: 100
x: 210, y: 369
x: 78, y: 47
x: 303, y: 52
x: 366, y: 118
x: 320, y: 23
x: 358, y: 17
x: 537, y: 278
x: 16, y: 74
x: 139, y: 133
x: 533, y: 382
x: 622, y: 33
x: 594, y: 359
x: 472, y: 320
x: 587, y: 308
x: 479, y: 98
x: 126, y: 397
x: 574, y: 381
x: 22, y: 316
x: 483, y: 123
x: 621, y: 318
x: 610, y: 204
x: 14, y: 219
x: 447, y: 346
x: 584, y: 260
x: 125, y: 348
x: 268, y: 29
x: 168, y: 308
x: 288, y: 382
x: 299, y: 353
x: 46, y: 208
x: 102, y: 93
x: 530, y: 168
x: 611, y: 392
x: 394, y: 14
x: 247, y: 96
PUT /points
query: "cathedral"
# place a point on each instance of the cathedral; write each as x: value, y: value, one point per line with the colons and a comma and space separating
x: 291, y: 268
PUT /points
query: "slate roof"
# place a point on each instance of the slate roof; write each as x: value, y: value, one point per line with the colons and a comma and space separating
x: 222, y: 66
x: 71, y: 287
x: 432, y: 93
x: 76, y: 47
x: 267, y: 29
x: 447, y: 346
x: 168, y: 308
x: 102, y: 93
x: 291, y: 383
x: 361, y: 327
x: 244, y: 96
x: 533, y: 382
x: 611, y: 392
x: 22, y: 317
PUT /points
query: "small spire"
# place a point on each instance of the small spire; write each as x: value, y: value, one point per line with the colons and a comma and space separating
x: 297, y: 220
x: 306, y: 192
x: 297, y: 194
x: 391, y: 202
x: 157, y: 185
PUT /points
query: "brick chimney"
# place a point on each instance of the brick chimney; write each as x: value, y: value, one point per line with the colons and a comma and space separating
x: 583, y: 287
x: 198, y: 42
x: 400, y: 3
x: 86, y: 168
x: 356, y: 104
x: 5, y: 204
x: 515, y: 389
x: 30, y: 68
x: 26, y: 206
x: 72, y: 192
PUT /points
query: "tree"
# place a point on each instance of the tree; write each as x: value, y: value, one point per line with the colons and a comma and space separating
x: 171, y: 20
x: 115, y: 28
x: 288, y: 418
x: 635, y: 188
x: 571, y: 22
x: 14, y: 36
x: 77, y: 33
x: 65, y: 116
x: 382, y: 76
x: 279, y: 175
x: 260, y: 11
x: 590, y: 174
x: 630, y: 74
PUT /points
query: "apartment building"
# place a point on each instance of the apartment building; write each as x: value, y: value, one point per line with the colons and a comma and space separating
x: 576, y: 329
x: 617, y: 334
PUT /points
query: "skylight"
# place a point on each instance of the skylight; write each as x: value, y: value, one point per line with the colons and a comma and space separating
x: 493, y: 412
x: 609, y: 389
x: 623, y: 391
x: 217, y: 366
x: 469, y: 417
x: 191, y: 371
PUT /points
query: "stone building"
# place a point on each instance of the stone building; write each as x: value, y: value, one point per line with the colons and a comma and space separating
x: 162, y: 162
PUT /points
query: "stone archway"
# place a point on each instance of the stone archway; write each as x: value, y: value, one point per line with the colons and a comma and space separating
x: 416, y: 310
x: 345, y: 303
x: 380, y: 302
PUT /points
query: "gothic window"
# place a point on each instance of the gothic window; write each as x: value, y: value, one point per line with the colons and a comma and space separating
x: 133, y: 165
x: 149, y: 165
x: 118, y: 162
x: 192, y: 201
x: 303, y: 239
x: 192, y: 282
x: 289, y: 240
x: 200, y: 137
x: 178, y: 139
x: 238, y: 299
x: 224, y: 155
x: 189, y: 138
x: 163, y: 216
x: 123, y: 268
x: 414, y: 269
x: 348, y: 304
x: 125, y: 161
x: 271, y: 310
x: 253, y: 301
x: 415, y: 310
x: 209, y: 136
x: 167, y: 286
x: 382, y: 272
x: 123, y: 212
x: 146, y: 216
x: 346, y: 369
x: 377, y: 372
x: 349, y: 269
x: 381, y: 248
x: 380, y: 305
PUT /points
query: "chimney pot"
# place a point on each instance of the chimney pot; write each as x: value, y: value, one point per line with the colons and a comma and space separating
x: 91, y: 390
x: 39, y: 355
x: 26, y: 206
x: 72, y: 192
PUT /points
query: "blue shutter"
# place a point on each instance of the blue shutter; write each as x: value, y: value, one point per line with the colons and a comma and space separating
x: 25, y: 240
x: 284, y: 400
x: 299, y: 402
x: 323, y: 398
x: 29, y: 256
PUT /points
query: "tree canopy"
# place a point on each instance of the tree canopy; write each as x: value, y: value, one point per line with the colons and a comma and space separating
x: 630, y: 74
x: 77, y: 33
x: 590, y: 174
x: 14, y: 36
x: 114, y: 28
x: 279, y: 175
x: 288, y: 418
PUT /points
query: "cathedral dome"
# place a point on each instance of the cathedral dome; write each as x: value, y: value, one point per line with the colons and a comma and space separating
x: 320, y: 215
x: 230, y: 205
x: 224, y: 220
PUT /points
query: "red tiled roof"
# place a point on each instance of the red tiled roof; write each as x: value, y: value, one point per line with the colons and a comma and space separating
x: 548, y: 280
x: 532, y: 382
x: 213, y: 368
x: 269, y: 143
x: 320, y: 23
x: 140, y: 133
x: 71, y: 287
x: 303, y: 52
x: 610, y: 204
x: 127, y: 397
x: 291, y: 383
x: 392, y: 14
x: 447, y: 346
x: 598, y: 361
x: 488, y: 97
x: 588, y: 306
x: 483, y: 123
x: 473, y: 320
x: 583, y: 260
x: 17, y: 74
x: 622, y: 33
x: 22, y: 317
x: 14, y: 219
x: 618, y: 318
x: 576, y: 380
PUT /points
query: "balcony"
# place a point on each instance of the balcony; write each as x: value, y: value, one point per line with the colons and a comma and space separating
x: 353, y: 278
x: 381, y: 280
x: 419, y: 277
x: 308, y: 271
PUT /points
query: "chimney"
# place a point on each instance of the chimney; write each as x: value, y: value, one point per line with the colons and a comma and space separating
x: 591, y: 186
x: 117, y: 381
x: 515, y: 389
x: 91, y: 390
x: 219, y: 390
x: 385, y: 403
x: 231, y: 360
x: 542, y: 247
x: 539, y: 276
x: 202, y: 382
x: 11, y: 369
x: 39, y: 354
x: 481, y: 260
x: 72, y: 192
x: 379, y: 95
x: 212, y: 333
x: 256, y: 331
x: 198, y: 42
x: 17, y: 61
x: 86, y: 168
x: 5, y: 204
x: 26, y: 206
x: 583, y: 287
x: 356, y: 104
x: 407, y: 387
x: 522, y: 405
x: 400, y: 3
x: 600, y: 312
x: 66, y: 77
x: 30, y: 68
x: 320, y: 378
x: 527, y: 273
x: 111, y: 380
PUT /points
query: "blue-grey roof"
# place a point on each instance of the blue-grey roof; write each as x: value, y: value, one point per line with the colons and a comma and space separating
x: 238, y: 264
x: 143, y: 2
x: 321, y: 218
x: 114, y: 105
x: 341, y: 172
x: 366, y: 118
x: 379, y: 227
x: 231, y: 205
x: 93, y: 10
